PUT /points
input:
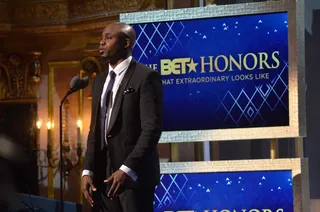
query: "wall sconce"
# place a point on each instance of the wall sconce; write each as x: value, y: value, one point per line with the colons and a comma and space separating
x: 51, y: 161
x: 42, y: 154
x: 71, y: 156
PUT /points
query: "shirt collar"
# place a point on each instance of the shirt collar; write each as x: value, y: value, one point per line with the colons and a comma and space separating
x: 118, y: 70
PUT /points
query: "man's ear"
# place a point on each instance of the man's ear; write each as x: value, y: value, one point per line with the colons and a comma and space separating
x: 127, y: 43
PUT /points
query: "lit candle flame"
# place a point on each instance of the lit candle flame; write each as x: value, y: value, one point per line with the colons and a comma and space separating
x: 49, y: 125
x: 79, y: 123
x: 39, y: 123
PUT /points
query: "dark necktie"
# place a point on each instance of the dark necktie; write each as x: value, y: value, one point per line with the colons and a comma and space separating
x: 104, y: 108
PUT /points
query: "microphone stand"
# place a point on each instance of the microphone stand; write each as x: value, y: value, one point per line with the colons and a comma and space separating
x: 61, y: 157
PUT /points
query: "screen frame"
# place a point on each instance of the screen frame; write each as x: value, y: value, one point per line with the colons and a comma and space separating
x: 296, y: 52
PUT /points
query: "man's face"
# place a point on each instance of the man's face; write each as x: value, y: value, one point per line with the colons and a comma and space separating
x: 110, y: 44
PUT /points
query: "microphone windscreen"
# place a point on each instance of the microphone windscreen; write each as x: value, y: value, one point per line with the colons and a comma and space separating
x: 9, y: 150
x: 84, y: 82
x: 74, y: 82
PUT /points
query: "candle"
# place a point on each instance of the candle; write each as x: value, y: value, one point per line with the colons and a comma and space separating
x: 39, y: 123
x: 48, y: 134
x: 79, y: 132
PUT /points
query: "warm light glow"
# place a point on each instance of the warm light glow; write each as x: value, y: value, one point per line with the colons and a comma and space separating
x: 39, y: 123
x: 79, y: 123
x: 49, y: 125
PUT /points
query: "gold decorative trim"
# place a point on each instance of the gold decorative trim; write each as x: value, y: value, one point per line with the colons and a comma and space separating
x: 22, y: 101
x: 5, y: 27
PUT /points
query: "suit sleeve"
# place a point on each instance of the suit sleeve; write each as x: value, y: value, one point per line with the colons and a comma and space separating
x: 88, y: 163
x: 151, y: 101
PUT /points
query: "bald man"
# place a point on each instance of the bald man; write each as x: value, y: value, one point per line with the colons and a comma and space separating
x: 121, y: 166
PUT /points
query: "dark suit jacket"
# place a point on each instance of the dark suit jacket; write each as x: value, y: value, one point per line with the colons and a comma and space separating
x: 135, y: 124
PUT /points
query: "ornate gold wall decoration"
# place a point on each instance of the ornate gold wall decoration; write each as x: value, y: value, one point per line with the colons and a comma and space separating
x: 5, y: 15
x: 209, y: 2
x: 19, y: 78
x: 90, y: 67
x: 87, y: 9
x: 51, y: 16
x: 41, y: 13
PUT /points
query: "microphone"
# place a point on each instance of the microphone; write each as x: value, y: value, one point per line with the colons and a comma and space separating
x: 83, y: 83
x: 10, y: 150
x: 74, y: 82
x: 77, y: 84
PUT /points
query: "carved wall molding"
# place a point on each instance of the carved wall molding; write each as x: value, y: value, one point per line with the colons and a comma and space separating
x: 79, y: 10
x: 78, y: 27
x: 19, y: 78
x: 43, y: 13
x: 47, y: 16
x: 209, y: 2
x: 5, y: 16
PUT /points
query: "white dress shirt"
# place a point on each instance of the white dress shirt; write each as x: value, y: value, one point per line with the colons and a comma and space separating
x: 120, y: 71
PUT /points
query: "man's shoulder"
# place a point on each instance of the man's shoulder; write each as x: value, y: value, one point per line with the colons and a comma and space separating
x: 100, y: 76
x: 144, y: 70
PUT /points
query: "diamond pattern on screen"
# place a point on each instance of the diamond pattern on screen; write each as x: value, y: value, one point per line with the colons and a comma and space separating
x: 170, y: 189
x: 250, y: 105
x: 148, y: 41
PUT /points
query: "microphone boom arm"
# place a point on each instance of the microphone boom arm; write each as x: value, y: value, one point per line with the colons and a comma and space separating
x: 75, y: 85
x: 61, y: 156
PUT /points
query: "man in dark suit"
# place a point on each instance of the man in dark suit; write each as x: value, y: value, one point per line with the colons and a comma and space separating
x: 121, y: 164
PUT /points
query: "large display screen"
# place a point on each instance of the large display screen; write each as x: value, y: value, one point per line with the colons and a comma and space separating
x: 254, y: 191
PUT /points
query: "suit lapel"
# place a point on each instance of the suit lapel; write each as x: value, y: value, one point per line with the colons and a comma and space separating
x: 119, y: 95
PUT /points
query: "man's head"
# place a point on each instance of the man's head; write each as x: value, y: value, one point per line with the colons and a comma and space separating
x: 117, y: 42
